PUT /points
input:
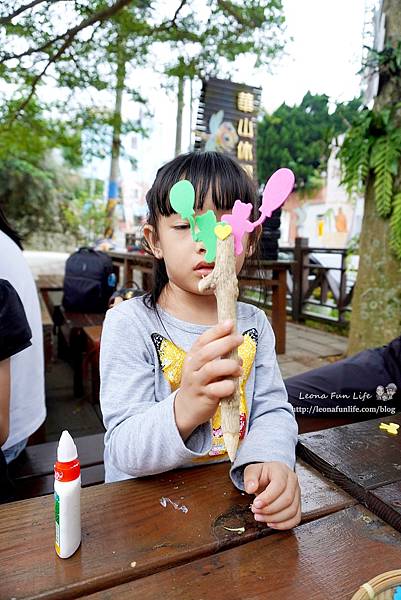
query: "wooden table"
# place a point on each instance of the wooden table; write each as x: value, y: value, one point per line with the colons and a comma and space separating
x: 127, y: 535
x: 363, y: 460
x: 256, y: 275
x: 130, y: 262
x: 46, y: 284
x: 327, y: 559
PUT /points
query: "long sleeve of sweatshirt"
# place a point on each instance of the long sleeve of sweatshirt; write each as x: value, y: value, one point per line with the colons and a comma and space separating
x: 142, y: 437
x: 140, y: 364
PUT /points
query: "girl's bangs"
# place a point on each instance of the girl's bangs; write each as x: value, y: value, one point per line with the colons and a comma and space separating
x: 226, y: 179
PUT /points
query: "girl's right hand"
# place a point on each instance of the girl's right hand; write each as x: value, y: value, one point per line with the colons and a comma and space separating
x: 206, y: 378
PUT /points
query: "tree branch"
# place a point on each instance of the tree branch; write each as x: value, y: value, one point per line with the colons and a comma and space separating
x: 8, y: 18
x: 71, y: 33
x: 69, y: 37
x: 98, y: 17
x: 173, y: 20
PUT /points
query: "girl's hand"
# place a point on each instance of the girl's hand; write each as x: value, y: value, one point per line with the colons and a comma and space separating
x: 205, y: 377
x: 278, y: 496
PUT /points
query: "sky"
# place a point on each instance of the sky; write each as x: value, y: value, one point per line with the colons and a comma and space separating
x: 323, y: 55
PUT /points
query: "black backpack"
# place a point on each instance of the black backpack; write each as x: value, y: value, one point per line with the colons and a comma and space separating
x: 89, y: 281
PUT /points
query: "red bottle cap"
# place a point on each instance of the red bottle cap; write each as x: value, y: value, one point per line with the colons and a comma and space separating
x: 67, y: 471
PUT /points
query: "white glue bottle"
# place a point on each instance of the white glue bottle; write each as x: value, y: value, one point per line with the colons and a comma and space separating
x: 67, y: 497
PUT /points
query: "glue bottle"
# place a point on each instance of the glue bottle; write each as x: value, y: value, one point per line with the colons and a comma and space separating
x: 67, y: 497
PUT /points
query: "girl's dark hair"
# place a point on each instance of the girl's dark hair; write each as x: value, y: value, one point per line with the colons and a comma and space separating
x: 220, y: 173
x: 6, y: 228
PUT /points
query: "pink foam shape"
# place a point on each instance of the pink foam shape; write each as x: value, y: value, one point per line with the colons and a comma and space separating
x: 239, y: 222
x: 276, y: 192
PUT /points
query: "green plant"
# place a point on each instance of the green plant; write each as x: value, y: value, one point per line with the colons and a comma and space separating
x: 373, y: 143
x: 300, y: 138
x: 85, y: 214
x: 387, y: 61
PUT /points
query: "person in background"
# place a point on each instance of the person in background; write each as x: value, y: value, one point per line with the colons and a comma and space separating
x: 366, y: 385
x: 27, y: 390
x: 15, y: 336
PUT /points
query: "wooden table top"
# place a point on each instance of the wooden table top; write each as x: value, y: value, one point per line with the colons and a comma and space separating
x: 127, y: 534
x: 363, y: 460
x: 126, y: 255
x: 327, y: 559
x: 93, y: 333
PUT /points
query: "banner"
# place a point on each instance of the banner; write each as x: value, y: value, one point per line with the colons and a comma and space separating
x: 226, y: 120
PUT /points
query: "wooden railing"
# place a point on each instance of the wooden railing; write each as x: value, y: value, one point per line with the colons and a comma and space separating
x: 313, y: 284
x: 314, y: 290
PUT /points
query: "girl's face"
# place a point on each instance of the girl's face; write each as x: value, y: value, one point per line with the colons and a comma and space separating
x: 174, y: 243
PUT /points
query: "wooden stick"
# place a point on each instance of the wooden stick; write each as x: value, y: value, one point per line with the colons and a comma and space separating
x: 223, y: 281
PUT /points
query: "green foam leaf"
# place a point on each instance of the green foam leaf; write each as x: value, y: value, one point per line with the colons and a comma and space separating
x: 182, y: 198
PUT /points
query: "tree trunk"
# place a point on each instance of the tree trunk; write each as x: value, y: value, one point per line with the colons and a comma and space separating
x: 376, y: 306
x: 191, y: 100
x: 113, y: 194
x: 180, y: 108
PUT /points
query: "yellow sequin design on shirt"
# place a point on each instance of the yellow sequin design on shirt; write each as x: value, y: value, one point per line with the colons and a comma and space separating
x: 171, y: 359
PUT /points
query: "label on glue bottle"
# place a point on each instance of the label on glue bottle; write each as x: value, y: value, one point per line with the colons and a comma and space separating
x: 67, y: 497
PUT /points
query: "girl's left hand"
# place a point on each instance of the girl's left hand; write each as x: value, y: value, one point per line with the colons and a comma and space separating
x: 278, y: 496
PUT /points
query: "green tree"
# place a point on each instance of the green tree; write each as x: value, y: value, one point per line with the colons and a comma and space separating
x: 300, y: 138
x: 35, y: 197
x: 92, y: 54
x: 100, y: 40
x: 371, y: 157
x: 34, y: 188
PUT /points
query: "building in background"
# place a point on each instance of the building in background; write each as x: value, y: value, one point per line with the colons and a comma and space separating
x: 328, y: 218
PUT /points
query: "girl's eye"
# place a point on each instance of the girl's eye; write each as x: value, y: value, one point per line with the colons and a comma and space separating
x: 181, y: 226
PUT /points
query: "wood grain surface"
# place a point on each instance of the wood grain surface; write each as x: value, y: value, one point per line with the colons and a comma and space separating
x: 327, y: 559
x: 124, y: 522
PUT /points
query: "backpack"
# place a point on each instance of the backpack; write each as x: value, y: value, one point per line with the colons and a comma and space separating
x: 89, y: 281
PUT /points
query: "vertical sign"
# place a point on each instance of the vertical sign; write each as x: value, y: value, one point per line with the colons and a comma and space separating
x: 227, y: 121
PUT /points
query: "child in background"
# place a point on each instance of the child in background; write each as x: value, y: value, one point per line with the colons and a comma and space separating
x: 162, y: 375
x: 15, y: 336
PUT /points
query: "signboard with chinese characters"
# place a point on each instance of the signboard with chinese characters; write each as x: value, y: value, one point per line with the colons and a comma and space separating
x: 227, y: 120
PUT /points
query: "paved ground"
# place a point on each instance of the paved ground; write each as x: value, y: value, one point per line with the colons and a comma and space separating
x: 309, y: 348
x: 46, y: 263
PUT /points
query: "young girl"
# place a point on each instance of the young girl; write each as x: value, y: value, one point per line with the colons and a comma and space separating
x: 162, y: 375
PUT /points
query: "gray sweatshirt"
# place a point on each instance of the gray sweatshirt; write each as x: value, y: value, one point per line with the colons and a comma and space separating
x: 141, y: 359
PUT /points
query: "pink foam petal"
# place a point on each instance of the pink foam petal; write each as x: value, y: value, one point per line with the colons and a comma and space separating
x: 277, y: 190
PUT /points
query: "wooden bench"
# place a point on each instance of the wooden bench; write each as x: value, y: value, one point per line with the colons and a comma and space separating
x: 32, y: 471
x: 71, y: 335
x: 92, y: 335
x: 46, y: 284
x: 71, y: 340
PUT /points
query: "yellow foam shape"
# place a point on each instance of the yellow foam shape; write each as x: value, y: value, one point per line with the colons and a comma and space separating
x: 391, y: 428
x: 223, y: 230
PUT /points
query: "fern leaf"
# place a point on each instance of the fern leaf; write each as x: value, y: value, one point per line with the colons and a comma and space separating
x: 354, y: 155
x: 395, y: 226
x: 384, y: 161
